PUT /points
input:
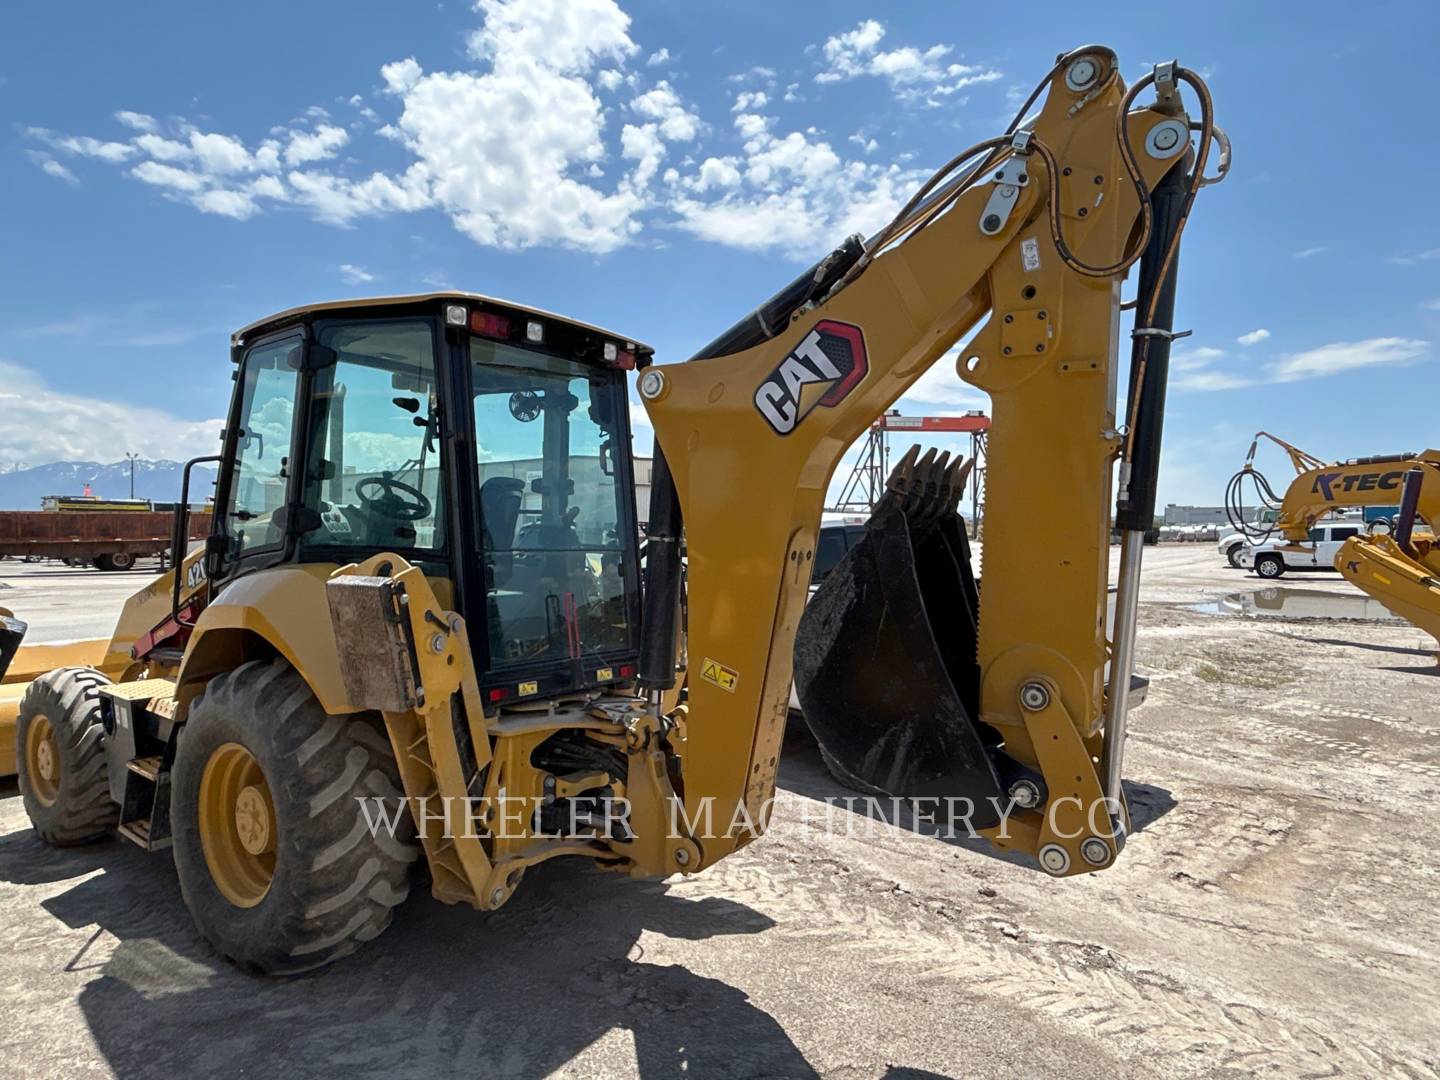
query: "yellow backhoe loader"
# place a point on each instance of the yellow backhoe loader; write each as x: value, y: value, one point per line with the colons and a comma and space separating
x: 418, y: 625
x: 1397, y: 563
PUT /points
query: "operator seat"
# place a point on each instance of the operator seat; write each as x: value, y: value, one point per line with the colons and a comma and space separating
x: 500, y: 499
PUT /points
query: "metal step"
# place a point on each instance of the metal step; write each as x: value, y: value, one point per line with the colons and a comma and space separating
x: 148, y: 767
x: 138, y: 832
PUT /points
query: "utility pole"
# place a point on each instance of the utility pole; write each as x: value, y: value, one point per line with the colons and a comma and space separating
x: 132, y: 458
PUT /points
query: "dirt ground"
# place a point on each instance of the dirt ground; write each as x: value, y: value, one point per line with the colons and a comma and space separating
x: 1274, y: 915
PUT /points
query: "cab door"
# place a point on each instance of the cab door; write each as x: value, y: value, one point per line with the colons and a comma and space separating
x: 254, y: 486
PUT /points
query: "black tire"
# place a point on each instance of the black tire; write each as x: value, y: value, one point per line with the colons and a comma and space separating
x: 78, y: 809
x: 115, y: 560
x: 1232, y: 554
x: 334, y: 884
x: 1269, y: 566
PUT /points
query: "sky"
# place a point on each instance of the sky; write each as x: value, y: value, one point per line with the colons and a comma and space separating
x: 173, y: 172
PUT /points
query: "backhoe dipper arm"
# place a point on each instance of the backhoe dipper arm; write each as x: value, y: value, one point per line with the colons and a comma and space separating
x: 1038, y: 240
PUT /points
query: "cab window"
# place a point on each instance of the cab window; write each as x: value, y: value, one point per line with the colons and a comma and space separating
x: 1343, y: 534
x: 373, y: 468
x: 269, y: 376
x: 551, y: 497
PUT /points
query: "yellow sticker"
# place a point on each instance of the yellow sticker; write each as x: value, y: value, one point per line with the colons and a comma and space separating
x: 723, y: 677
x: 605, y: 674
x: 527, y: 688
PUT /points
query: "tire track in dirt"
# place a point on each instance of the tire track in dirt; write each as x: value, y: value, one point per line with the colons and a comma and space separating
x: 1084, y: 985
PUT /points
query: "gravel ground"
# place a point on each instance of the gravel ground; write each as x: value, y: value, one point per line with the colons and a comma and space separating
x: 1273, y: 915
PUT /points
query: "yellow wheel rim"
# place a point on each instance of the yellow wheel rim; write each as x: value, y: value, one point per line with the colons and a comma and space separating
x: 237, y: 825
x: 42, y: 761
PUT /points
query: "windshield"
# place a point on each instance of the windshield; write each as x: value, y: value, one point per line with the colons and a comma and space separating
x: 373, y: 467
x: 550, y: 505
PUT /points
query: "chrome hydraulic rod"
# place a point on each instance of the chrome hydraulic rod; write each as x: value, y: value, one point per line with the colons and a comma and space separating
x: 1122, y: 661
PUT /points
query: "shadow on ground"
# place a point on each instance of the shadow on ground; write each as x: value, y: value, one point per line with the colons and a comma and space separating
x: 445, y: 992
x: 803, y: 772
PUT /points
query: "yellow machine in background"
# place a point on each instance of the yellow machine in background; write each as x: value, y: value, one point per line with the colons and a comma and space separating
x: 1399, y: 564
x: 418, y: 624
x: 1402, y: 570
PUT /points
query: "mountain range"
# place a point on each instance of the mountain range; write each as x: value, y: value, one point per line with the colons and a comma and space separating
x: 159, y: 481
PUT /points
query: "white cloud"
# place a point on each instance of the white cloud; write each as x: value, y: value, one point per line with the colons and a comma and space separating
x: 1195, y: 358
x: 655, y: 59
x: 227, y: 203
x: 82, y: 145
x: 922, y: 75
x: 401, y: 75
x: 50, y: 167
x: 1309, y: 252
x: 518, y: 150
x: 795, y: 193
x: 1414, y: 258
x: 317, y: 145
x: 1430, y: 305
x: 866, y: 144
x: 39, y: 423
x: 153, y: 172
x: 355, y: 275
x: 219, y: 155
x: 662, y: 104
x: 136, y: 120
x: 1254, y: 337
x: 1211, y: 380
x: 1195, y: 368
x: 1347, y: 355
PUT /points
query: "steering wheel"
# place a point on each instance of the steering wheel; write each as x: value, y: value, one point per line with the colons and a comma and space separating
x: 388, y: 503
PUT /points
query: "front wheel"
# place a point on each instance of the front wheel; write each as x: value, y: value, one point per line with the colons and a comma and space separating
x: 282, y: 868
x: 1232, y: 554
x: 60, y: 759
x: 1269, y: 566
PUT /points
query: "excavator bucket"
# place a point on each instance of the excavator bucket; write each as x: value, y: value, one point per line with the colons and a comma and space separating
x: 885, y: 663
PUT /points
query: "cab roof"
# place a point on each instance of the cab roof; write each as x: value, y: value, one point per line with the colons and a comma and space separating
x: 295, y: 313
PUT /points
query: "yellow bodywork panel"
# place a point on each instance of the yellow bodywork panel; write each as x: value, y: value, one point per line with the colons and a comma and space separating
x: 1045, y: 356
x: 1318, y: 491
x: 1407, y: 584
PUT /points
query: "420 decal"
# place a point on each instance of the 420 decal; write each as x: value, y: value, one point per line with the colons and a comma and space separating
x: 828, y: 363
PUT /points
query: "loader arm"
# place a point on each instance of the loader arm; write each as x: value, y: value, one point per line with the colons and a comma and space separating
x: 1029, y: 256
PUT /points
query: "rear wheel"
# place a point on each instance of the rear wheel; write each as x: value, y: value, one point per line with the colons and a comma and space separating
x: 1269, y: 566
x: 60, y: 758
x: 115, y: 560
x: 275, y: 855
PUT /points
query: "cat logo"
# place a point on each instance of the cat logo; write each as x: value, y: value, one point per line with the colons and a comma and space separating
x: 828, y: 363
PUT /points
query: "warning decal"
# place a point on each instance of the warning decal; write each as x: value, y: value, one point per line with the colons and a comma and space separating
x: 723, y: 677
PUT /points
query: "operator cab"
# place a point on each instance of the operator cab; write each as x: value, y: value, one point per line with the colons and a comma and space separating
x: 486, y: 442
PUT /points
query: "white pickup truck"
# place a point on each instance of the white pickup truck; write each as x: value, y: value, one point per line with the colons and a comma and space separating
x: 1271, y: 558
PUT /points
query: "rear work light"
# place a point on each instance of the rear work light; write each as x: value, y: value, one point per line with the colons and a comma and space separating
x: 615, y: 356
x: 489, y: 324
x: 534, y: 332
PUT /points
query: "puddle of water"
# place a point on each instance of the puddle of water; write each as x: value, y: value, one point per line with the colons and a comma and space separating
x: 1279, y: 602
